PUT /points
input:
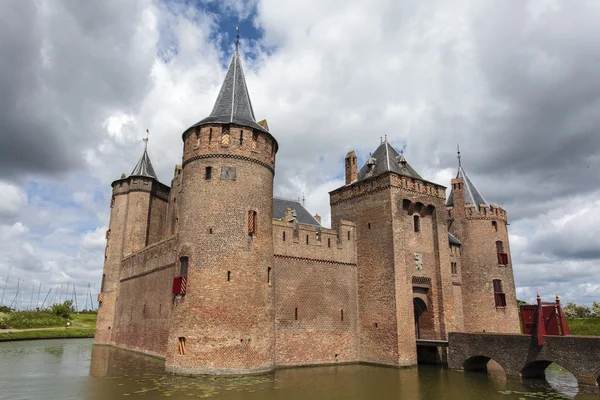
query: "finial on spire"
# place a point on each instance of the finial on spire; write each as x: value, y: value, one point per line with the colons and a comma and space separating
x: 237, y: 37
x: 145, y: 140
x: 386, y: 138
x: 303, y: 199
x: 458, y: 152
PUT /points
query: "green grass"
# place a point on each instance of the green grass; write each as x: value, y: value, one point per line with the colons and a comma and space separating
x: 48, y: 334
x: 31, y: 319
x: 82, y: 325
x: 584, y: 326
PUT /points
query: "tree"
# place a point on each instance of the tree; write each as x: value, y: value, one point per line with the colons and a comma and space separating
x: 572, y: 310
x: 63, y: 310
x: 596, y: 309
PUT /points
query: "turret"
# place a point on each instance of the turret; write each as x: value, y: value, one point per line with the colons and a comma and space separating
x: 137, y: 218
x: 223, y: 324
x: 488, y: 287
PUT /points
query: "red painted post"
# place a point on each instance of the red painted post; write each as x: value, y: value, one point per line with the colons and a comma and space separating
x: 540, y: 326
x: 564, y: 328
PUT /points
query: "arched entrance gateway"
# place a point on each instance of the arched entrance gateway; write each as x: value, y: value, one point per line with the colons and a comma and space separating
x: 424, y: 328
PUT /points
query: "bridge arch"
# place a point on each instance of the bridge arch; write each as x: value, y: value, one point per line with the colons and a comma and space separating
x: 479, y: 363
x: 537, y: 369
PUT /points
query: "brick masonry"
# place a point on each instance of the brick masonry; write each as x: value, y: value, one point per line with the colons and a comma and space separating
x: 520, y: 355
x: 289, y: 294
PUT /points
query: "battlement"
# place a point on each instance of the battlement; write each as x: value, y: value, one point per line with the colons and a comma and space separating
x: 140, y: 184
x: 485, y: 212
x: 229, y: 141
x: 316, y: 243
x: 150, y: 259
x: 391, y: 179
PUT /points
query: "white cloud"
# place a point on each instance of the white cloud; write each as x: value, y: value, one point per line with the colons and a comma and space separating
x: 13, y: 199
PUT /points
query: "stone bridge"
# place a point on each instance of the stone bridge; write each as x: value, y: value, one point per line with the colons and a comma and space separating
x: 520, y: 355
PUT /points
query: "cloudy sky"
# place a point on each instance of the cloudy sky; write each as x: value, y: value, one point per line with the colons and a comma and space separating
x: 516, y: 83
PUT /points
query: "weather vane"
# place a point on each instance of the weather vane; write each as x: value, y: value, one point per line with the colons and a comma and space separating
x: 145, y: 140
x: 458, y: 152
x: 237, y: 37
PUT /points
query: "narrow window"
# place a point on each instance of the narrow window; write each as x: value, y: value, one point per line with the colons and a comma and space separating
x: 210, y: 231
x: 183, y: 266
x: 342, y: 314
x: 306, y: 239
x: 499, y: 246
x: 499, y: 296
x: 252, y: 223
x: 241, y: 138
x: 181, y: 350
x: 210, y: 136
x: 369, y: 225
x: 102, y: 285
x: 269, y: 275
x: 454, y: 268
x: 348, y: 235
x: 296, y: 313
x: 254, y: 140
x: 283, y: 236
x: 494, y: 226
x: 376, y: 325
x: 208, y: 174
x: 228, y: 276
x: 328, y: 242
x: 417, y: 223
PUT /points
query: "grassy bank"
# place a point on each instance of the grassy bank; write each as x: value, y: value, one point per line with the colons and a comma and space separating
x: 60, y: 333
x: 584, y: 326
x: 29, y: 325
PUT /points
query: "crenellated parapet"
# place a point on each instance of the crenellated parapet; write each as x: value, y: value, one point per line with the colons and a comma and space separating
x: 315, y: 243
x: 151, y: 259
x: 491, y: 212
x: 229, y: 141
x: 409, y: 184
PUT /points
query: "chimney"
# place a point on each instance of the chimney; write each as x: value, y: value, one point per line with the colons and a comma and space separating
x: 351, y: 168
x: 318, y: 218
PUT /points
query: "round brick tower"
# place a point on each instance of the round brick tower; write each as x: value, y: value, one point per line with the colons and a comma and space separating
x: 223, y: 324
x: 488, y: 286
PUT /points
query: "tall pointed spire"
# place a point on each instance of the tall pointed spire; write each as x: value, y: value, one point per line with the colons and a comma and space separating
x: 144, y: 166
x: 233, y: 103
x: 472, y: 195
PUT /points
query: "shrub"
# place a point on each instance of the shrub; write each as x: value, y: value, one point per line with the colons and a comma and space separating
x: 63, y: 310
x: 5, y: 309
x: 4, y: 318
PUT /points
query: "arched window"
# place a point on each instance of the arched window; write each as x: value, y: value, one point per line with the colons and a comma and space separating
x: 417, y: 223
x: 183, y: 266
x: 494, y: 226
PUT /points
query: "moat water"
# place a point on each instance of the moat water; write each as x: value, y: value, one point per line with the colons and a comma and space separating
x: 74, y: 369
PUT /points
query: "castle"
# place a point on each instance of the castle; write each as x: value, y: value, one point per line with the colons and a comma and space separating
x: 217, y: 276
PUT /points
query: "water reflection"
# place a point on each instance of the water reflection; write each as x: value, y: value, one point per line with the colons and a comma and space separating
x: 74, y: 369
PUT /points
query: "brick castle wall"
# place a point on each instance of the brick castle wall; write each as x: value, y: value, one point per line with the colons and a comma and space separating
x: 311, y: 299
x: 145, y: 301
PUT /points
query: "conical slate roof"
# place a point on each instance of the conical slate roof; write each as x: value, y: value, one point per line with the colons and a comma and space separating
x: 233, y: 103
x: 386, y: 159
x: 144, y: 167
x: 472, y: 195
